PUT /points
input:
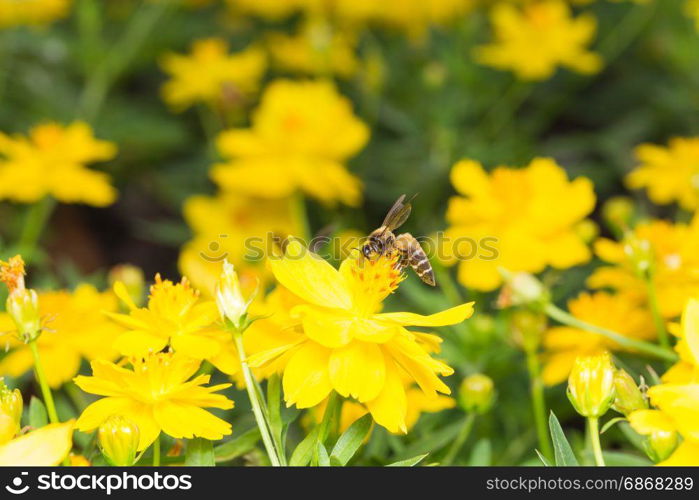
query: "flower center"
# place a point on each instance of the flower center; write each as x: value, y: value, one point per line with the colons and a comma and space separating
x: 372, y: 280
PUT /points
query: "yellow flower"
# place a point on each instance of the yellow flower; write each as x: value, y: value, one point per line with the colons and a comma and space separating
x: 73, y: 327
x: 676, y: 400
x: 236, y: 228
x: 301, y: 136
x: 44, y: 447
x: 591, y: 385
x: 509, y: 212
x: 52, y: 161
x: 22, y: 304
x: 563, y: 344
x: 156, y: 395
x: 532, y: 41
x: 343, y: 343
x: 11, y: 405
x: 669, y: 173
x: 670, y: 250
x: 317, y: 49
x: 176, y: 317
x: 32, y: 12
x: 211, y: 75
x: 692, y: 10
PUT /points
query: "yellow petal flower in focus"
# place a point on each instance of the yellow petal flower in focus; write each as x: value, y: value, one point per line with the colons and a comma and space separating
x: 347, y: 344
x: 156, y: 394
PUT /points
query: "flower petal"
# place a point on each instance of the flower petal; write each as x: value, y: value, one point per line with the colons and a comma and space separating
x: 43, y: 447
x: 451, y: 316
x: 390, y: 407
x: 306, y: 380
x: 328, y: 327
x: 181, y: 420
x: 358, y: 370
x: 138, y: 343
x: 310, y: 277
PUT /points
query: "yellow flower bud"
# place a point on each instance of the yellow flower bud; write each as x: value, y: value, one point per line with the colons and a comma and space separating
x: 118, y: 440
x: 23, y: 308
x: 527, y: 329
x: 10, y: 412
x: 659, y: 445
x: 618, y: 211
x: 477, y: 393
x: 591, y: 385
x: 133, y: 280
x: 628, y: 397
x: 229, y: 296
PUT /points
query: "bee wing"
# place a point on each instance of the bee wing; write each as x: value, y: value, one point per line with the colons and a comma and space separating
x: 399, y: 213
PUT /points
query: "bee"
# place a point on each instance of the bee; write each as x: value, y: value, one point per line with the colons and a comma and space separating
x: 383, y: 241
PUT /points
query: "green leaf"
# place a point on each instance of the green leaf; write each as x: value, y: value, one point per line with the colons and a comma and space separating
x: 38, y: 417
x: 563, y: 452
x: 481, y: 455
x: 234, y: 448
x: 611, y: 423
x: 304, y: 451
x: 350, y: 441
x: 200, y: 453
x: 323, y: 458
x: 274, y: 400
x: 621, y: 459
x: 543, y: 459
x: 433, y: 441
x: 410, y: 462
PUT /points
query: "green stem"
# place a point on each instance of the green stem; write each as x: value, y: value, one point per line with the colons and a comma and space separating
x: 118, y: 58
x: 536, y: 387
x: 628, y: 343
x: 41, y: 378
x: 298, y: 209
x: 257, y: 409
x: 330, y: 417
x: 655, y: 311
x: 593, y: 424
x: 35, y: 221
x: 461, y: 438
x: 156, y: 452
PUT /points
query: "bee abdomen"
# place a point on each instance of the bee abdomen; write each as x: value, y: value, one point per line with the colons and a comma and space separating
x: 423, y: 269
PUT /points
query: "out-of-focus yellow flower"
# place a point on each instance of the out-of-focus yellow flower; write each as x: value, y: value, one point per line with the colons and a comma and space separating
x: 156, y: 395
x: 73, y: 327
x: 178, y: 318
x: 236, y: 228
x: 346, y: 345
x: 692, y: 10
x: 32, y: 12
x: 591, y: 385
x: 618, y: 211
x: 52, y: 161
x: 317, y: 49
x: 669, y: 173
x: 670, y: 250
x: 43, y: 447
x: 11, y: 405
x: 118, y: 439
x: 301, y: 136
x: 509, y: 210
x: 268, y: 9
x: 563, y: 344
x: 132, y: 278
x: 211, y: 75
x: 532, y: 41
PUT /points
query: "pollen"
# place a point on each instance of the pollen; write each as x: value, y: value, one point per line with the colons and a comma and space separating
x: 12, y: 273
x: 374, y: 280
